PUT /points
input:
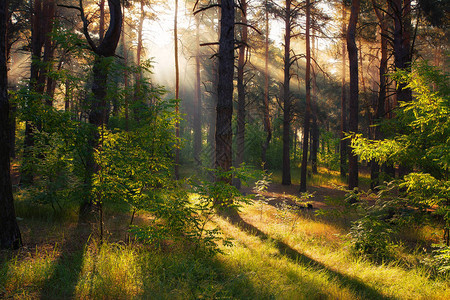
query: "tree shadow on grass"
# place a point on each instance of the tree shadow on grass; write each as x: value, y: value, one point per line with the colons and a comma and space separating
x: 63, y: 281
x: 359, y: 288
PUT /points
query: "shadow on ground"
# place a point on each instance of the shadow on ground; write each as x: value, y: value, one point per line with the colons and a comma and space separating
x: 358, y: 288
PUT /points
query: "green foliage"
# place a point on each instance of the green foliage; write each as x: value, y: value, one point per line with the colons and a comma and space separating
x: 441, y: 258
x: 423, y: 143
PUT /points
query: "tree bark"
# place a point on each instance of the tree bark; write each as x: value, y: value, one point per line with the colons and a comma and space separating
x: 99, y: 107
x: 286, y: 176
x: 354, y: 91
x: 267, y: 128
x: 10, y: 237
x: 240, y: 131
x: 380, y: 104
x: 177, y: 93
x: 343, y: 143
x: 304, y: 166
x: 314, y: 110
x: 198, y: 99
x: 224, y: 108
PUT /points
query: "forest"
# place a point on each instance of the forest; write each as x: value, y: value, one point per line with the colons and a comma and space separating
x: 224, y: 149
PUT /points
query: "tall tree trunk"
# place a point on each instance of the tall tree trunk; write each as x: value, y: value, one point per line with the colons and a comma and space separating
x: 138, y: 75
x: 304, y: 166
x: 99, y: 107
x: 402, y: 56
x: 224, y: 109
x: 286, y: 177
x: 314, y: 110
x: 344, y: 142
x: 267, y: 128
x: 26, y: 176
x: 354, y: 91
x: 380, y: 104
x: 177, y: 92
x: 10, y: 237
x: 198, y: 98
x: 240, y: 132
x: 125, y: 72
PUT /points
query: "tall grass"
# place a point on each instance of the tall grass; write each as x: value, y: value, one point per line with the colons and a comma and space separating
x: 281, y: 254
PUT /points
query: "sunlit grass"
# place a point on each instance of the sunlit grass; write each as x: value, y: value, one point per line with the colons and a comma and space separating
x: 291, y: 255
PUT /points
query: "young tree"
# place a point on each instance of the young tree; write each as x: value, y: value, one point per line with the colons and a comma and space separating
x: 10, y: 237
x: 99, y: 108
x: 354, y: 90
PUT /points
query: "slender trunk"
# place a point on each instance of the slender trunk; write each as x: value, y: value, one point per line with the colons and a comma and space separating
x: 125, y: 73
x: 343, y: 142
x: 177, y: 93
x: 267, y: 128
x: 240, y: 132
x: 138, y: 75
x: 380, y: 105
x: 198, y: 99
x: 314, y: 108
x: 10, y: 237
x: 101, y: 30
x: 354, y: 90
x: 303, y: 169
x: 402, y: 56
x: 224, y: 109
x: 286, y: 177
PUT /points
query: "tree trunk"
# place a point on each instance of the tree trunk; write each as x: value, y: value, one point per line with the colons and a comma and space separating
x: 177, y: 92
x: 402, y: 56
x: 343, y: 142
x: 224, y: 108
x: 314, y: 109
x: 240, y: 132
x: 354, y: 91
x: 138, y: 75
x: 304, y: 166
x: 267, y: 128
x: 380, y: 105
x: 10, y: 237
x: 198, y: 98
x: 286, y: 177
x: 99, y: 107
x: 125, y: 73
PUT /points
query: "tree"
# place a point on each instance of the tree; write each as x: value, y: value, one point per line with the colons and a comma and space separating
x: 308, y: 101
x: 354, y: 90
x: 177, y: 90
x: 198, y: 97
x: 343, y: 143
x: 380, y: 103
x: 267, y: 128
x: 10, y: 237
x: 224, y: 108
x: 240, y: 131
x: 104, y: 50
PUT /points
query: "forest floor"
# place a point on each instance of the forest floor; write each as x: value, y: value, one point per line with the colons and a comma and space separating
x: 281, y: 250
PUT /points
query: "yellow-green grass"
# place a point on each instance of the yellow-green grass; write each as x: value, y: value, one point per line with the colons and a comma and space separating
x: 278, y: 255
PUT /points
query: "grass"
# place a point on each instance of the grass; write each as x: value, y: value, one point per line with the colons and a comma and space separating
x: 277, y: 254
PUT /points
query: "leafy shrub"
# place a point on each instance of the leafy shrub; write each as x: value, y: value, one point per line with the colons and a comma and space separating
x: 423, y: 144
